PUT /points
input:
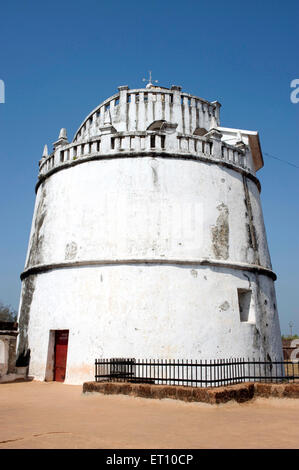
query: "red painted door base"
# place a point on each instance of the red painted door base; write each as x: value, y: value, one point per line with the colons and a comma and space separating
x: 61, y: 342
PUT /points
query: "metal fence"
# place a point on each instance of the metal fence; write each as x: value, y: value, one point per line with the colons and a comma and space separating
x: 196, y: 373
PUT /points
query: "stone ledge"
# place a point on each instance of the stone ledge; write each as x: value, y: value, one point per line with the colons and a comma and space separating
x: 213, y: 395
x: 239, y: 392
x: 289, y: 390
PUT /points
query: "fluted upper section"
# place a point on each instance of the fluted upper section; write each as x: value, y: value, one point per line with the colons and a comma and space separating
x: 136, y: 110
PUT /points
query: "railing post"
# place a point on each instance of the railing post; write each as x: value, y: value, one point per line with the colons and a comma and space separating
x: 214, y: 136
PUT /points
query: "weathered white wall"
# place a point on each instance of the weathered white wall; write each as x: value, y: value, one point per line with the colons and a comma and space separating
x: 144, y: 208
x: 147, y: 209
x: 149, y: 312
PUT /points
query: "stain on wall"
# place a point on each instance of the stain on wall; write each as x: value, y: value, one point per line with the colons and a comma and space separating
x: 35, y: 254
x: 225, y: 306
x: 250, y: 228
x: 70, y: 250
x: 220, y: 233
x: 24, y: 315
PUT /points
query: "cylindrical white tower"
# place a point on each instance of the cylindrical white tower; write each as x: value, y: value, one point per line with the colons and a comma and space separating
x: 148, y: 240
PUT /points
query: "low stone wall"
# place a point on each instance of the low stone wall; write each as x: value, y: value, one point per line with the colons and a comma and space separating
x: 290, y: 390
x: 239, y: 392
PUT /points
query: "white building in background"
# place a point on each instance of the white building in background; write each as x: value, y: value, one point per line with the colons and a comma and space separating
x: 148, y: 240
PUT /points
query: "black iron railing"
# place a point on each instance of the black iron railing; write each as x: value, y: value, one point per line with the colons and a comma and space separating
x: 196, y: 373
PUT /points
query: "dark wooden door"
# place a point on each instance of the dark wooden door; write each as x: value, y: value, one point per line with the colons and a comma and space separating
x: 61, y: 342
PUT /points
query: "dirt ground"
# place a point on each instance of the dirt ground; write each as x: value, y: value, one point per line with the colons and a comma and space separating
x: 51, y: 415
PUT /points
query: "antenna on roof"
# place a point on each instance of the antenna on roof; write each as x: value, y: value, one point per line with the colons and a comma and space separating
x: 149, y: 80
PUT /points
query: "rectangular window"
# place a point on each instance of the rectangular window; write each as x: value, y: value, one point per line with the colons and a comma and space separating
x: 153, y: 141
x: 244, y: 299
x: 163, y: 141
x: 113, y: 143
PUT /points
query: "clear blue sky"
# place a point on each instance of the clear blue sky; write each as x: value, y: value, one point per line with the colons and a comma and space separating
x: 60, y: 59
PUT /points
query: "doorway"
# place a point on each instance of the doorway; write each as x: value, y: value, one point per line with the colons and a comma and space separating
x: 60, y: 354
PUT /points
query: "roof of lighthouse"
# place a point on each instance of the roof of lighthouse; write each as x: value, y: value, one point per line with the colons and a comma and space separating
x: 137, y: 110
x: 155, y: 121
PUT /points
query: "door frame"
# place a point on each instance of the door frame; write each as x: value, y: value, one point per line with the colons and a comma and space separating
x: 50, y: 365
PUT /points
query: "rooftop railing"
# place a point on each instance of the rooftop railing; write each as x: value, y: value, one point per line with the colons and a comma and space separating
x: 147, y: 142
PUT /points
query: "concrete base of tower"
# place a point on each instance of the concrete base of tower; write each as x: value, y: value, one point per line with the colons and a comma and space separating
x: 146, y: 311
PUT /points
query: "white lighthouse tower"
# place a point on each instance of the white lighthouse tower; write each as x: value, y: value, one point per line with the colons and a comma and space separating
x: 148, y: 240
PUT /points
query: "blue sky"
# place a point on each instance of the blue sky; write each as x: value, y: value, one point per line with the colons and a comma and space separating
x: 60, y: 59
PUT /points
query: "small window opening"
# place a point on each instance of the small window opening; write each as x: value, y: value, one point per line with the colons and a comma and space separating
x: 62, y: 156
x: 113, y: 143
x: 153, y: 141
x: 163, y: 141
x: 244, y: 298
x: 137, y: 98
x: 145, y: 97
x: 98, y: 146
